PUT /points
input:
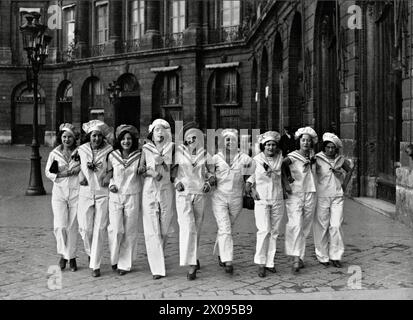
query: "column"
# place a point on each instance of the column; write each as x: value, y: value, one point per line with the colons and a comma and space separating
x: 193, y: 35
x: 115, y: 27
x: 82, y: 28
x: 152, y: 38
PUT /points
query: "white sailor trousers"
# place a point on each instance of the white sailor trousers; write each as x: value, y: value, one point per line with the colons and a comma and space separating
x: 190, y: 210
x: 268, y: 217
x: 65, y: 227
x: 328, y: 235
x: 93, y: 221
x: 300, y: 211
x: 157, y: 209
x: 226, y: 211
x: 123, y: 228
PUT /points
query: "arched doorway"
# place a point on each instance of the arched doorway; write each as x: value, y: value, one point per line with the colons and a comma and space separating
x: 128, y: 105
x: 264, y: 119
x: 277, y: 82
x: 22, y: 115
x: 327, y: 91
x: 296, y: 101
x: 64, y: 99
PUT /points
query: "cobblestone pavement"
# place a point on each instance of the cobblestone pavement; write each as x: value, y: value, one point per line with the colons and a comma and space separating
x: 27, y: 253
x: 382, y: 249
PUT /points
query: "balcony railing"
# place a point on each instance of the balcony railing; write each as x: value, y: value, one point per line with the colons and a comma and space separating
x: 173, y: 40
x: 231, y: 34
x: 131, y: 45
x: 171, y: 99
x: 97, y: 50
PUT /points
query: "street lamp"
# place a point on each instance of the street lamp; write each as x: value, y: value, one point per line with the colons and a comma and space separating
x: 115, y: 91
x: 35, y: 43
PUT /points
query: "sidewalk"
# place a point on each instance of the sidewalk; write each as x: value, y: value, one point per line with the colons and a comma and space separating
x: 377, y: 263
x: 22, y: 152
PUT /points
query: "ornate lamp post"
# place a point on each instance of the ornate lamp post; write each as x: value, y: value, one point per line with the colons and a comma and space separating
x: 115, y: 92
x: 35, y: 43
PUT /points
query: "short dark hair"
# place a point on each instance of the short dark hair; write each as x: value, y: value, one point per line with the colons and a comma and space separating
x: 325, y: 145
x: 59, y: 139
x: 135, y: 141
x: 262, y: 145
x: 86, y: 138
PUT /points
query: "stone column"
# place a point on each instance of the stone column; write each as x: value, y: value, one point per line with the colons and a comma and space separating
x: 115, y: 27
x: 82, y: 28
x: 152, y: 37
x: 5, y: 32
x: 192, y: 34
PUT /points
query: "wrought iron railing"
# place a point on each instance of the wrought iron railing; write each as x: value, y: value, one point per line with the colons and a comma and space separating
x: 173, y: 40
x: 231, y: 34
x: 131, y: 45
x: 97, y: 50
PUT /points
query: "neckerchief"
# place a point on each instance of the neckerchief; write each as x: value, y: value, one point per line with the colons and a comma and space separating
x: 133, y: 156
x: 97, y: 161
x: 262, y: 160
x: 163, y: 157
x: 306, y: 161
x: 336, y: 167
x: 200, y: 156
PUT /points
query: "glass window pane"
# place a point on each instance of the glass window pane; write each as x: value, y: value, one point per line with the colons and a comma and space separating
x: 175, y: 8
x: 226, y: 18
x: 182, y: 8
x: 235, y: 17
x: 226, y: 5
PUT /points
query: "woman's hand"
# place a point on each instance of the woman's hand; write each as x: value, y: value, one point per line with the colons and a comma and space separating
x: 84, y: 182
x: 290, y: 180
x: 75, y: 171
x: 254, y: 194
x: 105, y: 181
x: 142, y: 170
x: 180, y: 187
x: 113, y: 188
x: 158, y: 177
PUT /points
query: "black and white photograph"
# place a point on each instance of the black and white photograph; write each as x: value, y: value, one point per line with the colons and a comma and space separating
x: 214, y: 151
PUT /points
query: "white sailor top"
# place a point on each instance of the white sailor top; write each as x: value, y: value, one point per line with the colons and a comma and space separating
x: 230, y: 178
x: 125, y: 172
x: 192, y: 169
x: 94, y: 167
x: 159, y: 161
x: 71, y: 182
x: 329, y: 175
x: 267, y: 177
x: 303, y: 173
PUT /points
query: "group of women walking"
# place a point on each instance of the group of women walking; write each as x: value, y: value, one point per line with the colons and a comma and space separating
x: 100, y: 190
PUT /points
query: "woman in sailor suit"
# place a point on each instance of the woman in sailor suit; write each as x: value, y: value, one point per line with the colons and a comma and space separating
x: 63, y: 168
x: 158, y: 194
x: 231, y: 168
x: 124, y: 198
x: 94, y: 193
x: 265, y: 186
x: 328, y: 236
x: 191, y: 183
x: 300, y: 204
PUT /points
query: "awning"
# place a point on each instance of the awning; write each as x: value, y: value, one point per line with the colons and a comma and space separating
x: 222, y: 65
x: 165, y: 69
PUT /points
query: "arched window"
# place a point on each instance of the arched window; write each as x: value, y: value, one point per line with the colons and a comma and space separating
x: 64, y: 103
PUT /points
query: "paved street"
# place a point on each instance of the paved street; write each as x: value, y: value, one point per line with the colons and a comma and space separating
x: 378, y: 247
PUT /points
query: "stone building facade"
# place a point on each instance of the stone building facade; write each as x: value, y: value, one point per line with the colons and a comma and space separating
x: 343, y: 66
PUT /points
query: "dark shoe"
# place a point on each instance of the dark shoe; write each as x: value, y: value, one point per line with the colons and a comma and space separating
x: 192, y: 276
x: 73, y: 265
x: 301, y: 264
x: 96, y: 273
x: 229, y: 269
x: 296, y: 267
x: 122, y: 272
x: 271, y: 269
x: 221, y: 264
x: 337, y: 263
x: 198, y: 266
x: 325, y: 264
x: 62, y: 263
x: 156, y: 277
x: 114, y: 267
x: 261, y: 272
x: 88, y: 258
